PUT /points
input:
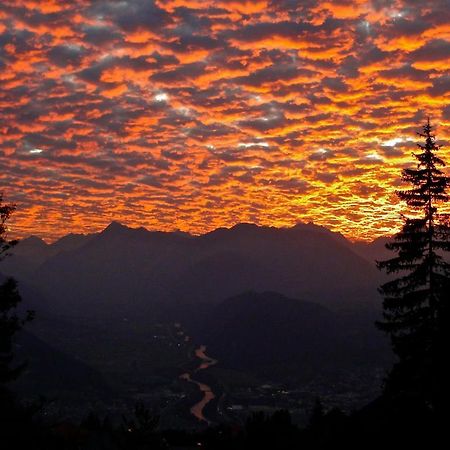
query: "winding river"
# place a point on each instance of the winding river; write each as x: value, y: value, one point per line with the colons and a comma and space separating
x: 208, y: 394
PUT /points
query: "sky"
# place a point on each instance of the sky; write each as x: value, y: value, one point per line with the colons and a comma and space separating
x: 193, y: 114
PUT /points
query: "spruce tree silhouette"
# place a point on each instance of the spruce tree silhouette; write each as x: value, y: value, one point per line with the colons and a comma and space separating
x: 10, y: 322
x: 416, y: 302
x: 17, y: 427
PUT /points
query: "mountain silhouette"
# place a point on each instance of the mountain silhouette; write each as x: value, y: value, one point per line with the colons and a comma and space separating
x: 375, y: 250
x: 270, y: 332
x: 50, y: 371
x: 135, y: 272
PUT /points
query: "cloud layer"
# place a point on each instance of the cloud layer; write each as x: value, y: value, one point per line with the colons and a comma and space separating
x: 187, y: 114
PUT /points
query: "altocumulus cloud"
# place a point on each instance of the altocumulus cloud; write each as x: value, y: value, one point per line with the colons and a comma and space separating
x: 183, y: 114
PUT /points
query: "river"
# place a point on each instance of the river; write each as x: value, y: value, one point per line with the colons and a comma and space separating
x: 208, y: 394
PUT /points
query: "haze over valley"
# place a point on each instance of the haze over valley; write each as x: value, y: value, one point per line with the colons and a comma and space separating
x: 288, y: 307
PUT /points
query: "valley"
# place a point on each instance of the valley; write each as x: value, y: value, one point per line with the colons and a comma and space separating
x: 230, y: 345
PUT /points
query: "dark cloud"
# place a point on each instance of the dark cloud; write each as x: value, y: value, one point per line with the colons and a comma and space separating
x: 349, y: 67
x: 321, y: 155
x: 190, y: 42
x: 65, y: 55
x: 400, y: 26
x: 446, y: 113
x: 100, y: 34
x: 294, y: 185
x: 441, y: 85
x: 132, y: 15
x: 266, y: 30
x: 438, y: 49
x: 274, y: 73
x: 406, y: 71
x: 181, y: 73
x: 335, y: 84
x: 327, y: 178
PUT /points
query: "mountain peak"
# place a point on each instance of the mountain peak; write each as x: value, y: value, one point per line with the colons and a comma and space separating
x: 115, y: 227
x: 310, y: 226
x: 33, y: 241
x: 244, y: 226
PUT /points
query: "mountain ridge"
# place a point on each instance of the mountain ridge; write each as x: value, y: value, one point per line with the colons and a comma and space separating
x: 123, y: 271
x: 267, y: 332
x: 116, y: 225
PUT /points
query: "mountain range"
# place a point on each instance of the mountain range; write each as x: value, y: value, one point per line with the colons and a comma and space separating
x: 121, y: 271
x: 268, y: 333
x: 269, y: 302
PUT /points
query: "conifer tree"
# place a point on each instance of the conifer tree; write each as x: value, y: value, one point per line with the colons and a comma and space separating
x: 416, y: 302
x: 5, y: 214
x: 10, y: 322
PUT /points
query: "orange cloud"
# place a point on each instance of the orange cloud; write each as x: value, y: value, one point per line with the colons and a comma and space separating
x: 202, y: 115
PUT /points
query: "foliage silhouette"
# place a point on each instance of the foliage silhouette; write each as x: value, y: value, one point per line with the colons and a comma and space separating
x: 416, y: 302
x: 10, y: 322
x: 16, y: 420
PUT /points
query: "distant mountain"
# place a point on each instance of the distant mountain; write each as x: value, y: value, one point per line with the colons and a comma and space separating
x: 271, y: 333
x: 32, y: 299
x: 50, y: 371
x: 375, y: 250
x: 71, y: 242
x: 134, y: 272
x: 25, y: 257
x: 31, y: 252
x: 305, y: 261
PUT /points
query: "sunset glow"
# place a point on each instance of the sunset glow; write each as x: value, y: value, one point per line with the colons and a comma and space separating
x: 192, y: 115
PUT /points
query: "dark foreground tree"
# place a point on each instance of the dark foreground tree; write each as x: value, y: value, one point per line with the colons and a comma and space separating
x: 16, y: 420
x: 5, y: 214
x: 10, y: 322
x: 416, y: 303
